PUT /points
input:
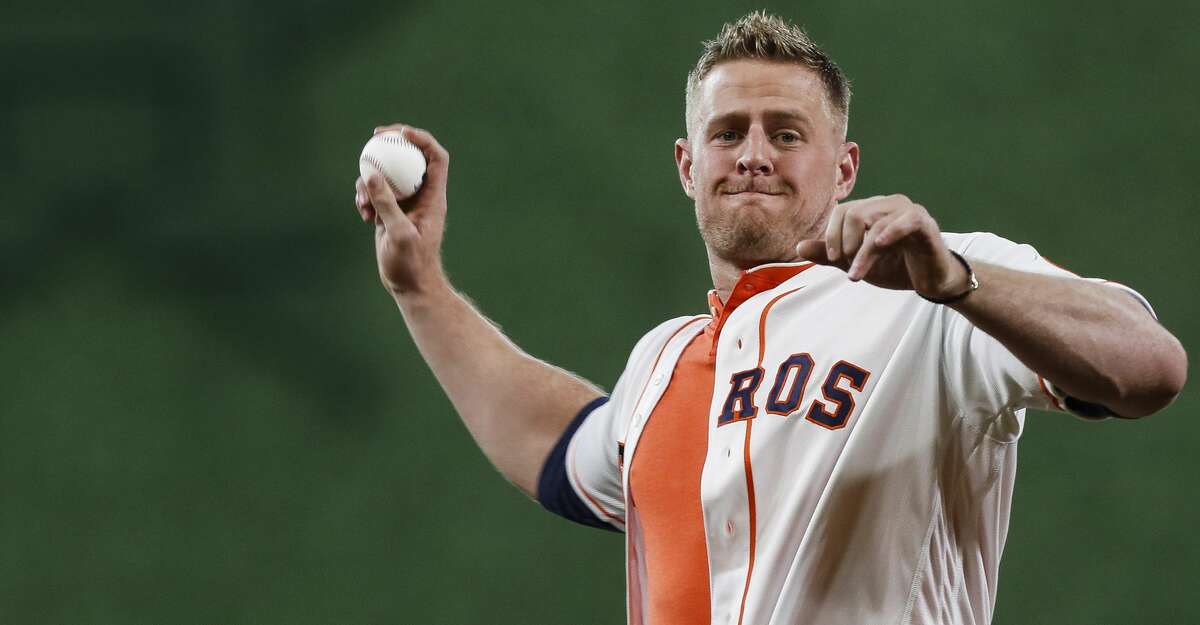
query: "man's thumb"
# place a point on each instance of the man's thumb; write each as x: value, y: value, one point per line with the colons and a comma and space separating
x: 386, y: 209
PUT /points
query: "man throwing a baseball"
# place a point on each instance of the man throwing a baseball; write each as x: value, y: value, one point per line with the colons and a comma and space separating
x: 834, y: 442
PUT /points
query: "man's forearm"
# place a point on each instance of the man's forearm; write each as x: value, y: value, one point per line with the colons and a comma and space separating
x: 514, y: 405
x: 1096, y: 343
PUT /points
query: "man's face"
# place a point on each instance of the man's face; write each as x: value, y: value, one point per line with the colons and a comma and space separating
x: 765, y: 160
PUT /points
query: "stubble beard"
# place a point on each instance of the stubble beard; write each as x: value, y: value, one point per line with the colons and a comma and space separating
x: 748, y: 238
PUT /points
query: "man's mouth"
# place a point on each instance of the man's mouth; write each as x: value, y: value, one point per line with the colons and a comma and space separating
x: 752, y: 192
x: 751, y: 189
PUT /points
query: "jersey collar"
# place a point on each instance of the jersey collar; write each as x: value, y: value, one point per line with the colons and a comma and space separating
x: 750, y: 283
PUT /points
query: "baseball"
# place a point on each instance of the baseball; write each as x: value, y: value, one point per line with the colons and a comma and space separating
x: 401, y: 163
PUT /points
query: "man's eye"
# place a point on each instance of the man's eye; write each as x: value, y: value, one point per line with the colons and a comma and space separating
x: 728, y: 135
x: 788, y: 137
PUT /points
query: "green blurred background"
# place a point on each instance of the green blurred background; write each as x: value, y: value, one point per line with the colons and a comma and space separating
x: 211, y: 412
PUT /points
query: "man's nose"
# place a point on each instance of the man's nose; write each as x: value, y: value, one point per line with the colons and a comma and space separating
x: 755, y: 158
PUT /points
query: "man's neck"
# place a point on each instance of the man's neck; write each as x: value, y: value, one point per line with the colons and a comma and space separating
x: 724, y: 276
x: 725, y: 273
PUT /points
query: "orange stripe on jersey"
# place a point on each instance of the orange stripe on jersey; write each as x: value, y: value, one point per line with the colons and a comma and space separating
x: 660, y: 353
x: 636, y: 571
x: 664, y: 493
x: 750, y: 283
x: 762, y: 323
x: 753, y: 529
x: 1054, y: 400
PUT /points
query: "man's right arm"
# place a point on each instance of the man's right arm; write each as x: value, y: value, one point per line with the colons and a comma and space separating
x: 515, y: 406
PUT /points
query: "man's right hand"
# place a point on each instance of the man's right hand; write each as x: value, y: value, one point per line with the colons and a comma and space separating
x: 408, y: 234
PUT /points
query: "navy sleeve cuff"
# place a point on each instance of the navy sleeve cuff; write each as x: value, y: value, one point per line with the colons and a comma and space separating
x: 554, y: 489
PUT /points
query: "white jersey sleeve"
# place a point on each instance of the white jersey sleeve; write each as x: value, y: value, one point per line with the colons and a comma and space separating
x: 593, y: 461
x: 982, y: 377
x: 582, y: 479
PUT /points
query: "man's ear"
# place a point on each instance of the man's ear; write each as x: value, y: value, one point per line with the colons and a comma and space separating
x: 847, y: 171
x: 683, y: 162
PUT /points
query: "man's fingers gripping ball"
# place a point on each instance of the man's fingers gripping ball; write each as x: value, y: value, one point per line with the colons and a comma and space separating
x: 437, y: 158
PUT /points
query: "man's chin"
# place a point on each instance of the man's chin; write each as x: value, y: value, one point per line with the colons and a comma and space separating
x: 748, y: 242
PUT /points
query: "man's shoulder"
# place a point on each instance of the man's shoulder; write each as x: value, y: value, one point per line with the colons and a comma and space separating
x: 652, y: 343
x: 986, y: 245
x: 666, y: 330
x: 962, y: 241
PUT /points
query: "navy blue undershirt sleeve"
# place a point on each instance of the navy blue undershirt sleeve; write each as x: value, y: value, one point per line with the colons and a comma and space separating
x: 554, y: 490
x: 1087, y: 410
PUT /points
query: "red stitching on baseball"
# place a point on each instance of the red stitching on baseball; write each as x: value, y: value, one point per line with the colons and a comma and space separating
x: 396, y: 138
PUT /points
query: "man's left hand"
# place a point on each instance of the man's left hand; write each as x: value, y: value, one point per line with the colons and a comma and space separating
x: 891, y: 242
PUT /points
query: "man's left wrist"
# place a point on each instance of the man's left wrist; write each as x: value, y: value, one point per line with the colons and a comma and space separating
x: 963, y: 284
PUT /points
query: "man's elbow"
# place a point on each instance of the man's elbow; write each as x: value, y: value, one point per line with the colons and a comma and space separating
x: 1163, y: 382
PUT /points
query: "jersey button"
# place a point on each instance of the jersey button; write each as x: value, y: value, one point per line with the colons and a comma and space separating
x: 657, y: 379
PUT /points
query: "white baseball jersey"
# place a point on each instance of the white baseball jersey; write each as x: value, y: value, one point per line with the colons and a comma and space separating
x: 815, y: 451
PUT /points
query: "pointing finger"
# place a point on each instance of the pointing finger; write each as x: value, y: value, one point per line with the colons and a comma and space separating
x: 898, y: 229
x: 870, y: 250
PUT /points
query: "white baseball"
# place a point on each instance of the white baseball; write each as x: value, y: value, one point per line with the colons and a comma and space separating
x: 401, y: 163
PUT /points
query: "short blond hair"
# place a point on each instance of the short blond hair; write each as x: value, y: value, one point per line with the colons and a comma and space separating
x: 762, y: 36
